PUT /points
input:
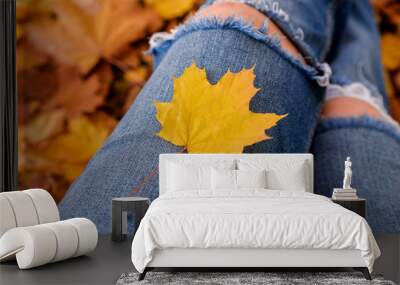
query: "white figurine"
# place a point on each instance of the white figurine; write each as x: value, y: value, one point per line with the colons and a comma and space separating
x: 347, y: 174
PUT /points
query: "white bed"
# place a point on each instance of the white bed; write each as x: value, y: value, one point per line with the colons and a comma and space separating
x: 249, y: 227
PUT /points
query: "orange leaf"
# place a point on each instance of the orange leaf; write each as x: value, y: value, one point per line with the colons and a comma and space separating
x: 44, y: 126
x: 67, y: 154
x: 170, y: 9
x: 29, y: 57
x: 66, y: 37
x: 137, y: 75
x: 391, y: 51
x: 74, y: 95
x: 121, y: 22
x: 53, y: 183
x: 83, y: 139
x: 79, y: 36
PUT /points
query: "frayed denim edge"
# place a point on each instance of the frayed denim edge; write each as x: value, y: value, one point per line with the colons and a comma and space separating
x: 161, y: 42
x: 359, y: 91
x: 339, y: 79
x: 334, y: 123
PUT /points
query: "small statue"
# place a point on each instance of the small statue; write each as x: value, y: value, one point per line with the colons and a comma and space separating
x: 347, y: 174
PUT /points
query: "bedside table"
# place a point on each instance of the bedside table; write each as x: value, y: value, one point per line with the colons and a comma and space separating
x: 120, y: 208
x: 358, y: 206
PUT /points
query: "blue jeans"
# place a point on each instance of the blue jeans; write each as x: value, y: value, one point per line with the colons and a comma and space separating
x: 320, y: 30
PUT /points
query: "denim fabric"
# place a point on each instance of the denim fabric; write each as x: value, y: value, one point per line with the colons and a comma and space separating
x: 322, y: 30
x: 161, y: 44
x: 308, y: 23
x: 374, y: 148
x: 132, y: 151
x: 355, y: 32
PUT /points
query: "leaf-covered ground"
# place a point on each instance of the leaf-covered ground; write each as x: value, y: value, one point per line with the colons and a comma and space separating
x: 81, y: 65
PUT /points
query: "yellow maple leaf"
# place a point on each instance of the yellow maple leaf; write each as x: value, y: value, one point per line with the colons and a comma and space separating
x: 206, y: 118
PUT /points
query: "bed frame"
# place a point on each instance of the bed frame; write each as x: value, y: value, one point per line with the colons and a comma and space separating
x: 246, y: 259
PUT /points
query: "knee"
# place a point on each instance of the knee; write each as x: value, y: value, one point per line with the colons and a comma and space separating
x: 349, y: 107
x: 258, y: 20
x: 224, y: 10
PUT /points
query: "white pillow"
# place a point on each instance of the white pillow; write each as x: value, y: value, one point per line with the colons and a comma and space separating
x: 235, y: 179
x: 281, y: 174
x: 181, y: 177
x: 290, y: 179
x: 251, y: 178
x: 193, y: 174
x: 223, y: 179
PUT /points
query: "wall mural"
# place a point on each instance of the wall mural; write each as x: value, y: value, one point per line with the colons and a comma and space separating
x: 81, y: 65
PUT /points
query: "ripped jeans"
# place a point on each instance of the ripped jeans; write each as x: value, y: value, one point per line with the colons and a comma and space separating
x: 340, y: 46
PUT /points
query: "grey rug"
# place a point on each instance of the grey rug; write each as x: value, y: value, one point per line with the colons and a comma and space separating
x: 269, y: 278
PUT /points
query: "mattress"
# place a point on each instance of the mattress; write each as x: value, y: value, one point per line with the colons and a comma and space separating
x: 250, y: 219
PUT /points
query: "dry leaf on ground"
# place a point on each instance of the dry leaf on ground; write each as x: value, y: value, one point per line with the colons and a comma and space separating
x: 391, y: 51
x: 28, y: 57
x: 170, y: 9
x: 71, y: 151
x: 79, y: 37
x: 75, y: 95
x: 53, y: 183
x: 67, y: 154
x: 45, y: 126
x: 137, y: 76
x: 393, y: 99
x: 82, y: 140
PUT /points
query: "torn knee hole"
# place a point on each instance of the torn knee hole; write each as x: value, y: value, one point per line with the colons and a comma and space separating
x: 349, y: 107
x: 258, y: 20
x: 224, y: 10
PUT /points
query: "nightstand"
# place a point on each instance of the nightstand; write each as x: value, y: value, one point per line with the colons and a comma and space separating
x: 358, y: 206
x: 120, y: 208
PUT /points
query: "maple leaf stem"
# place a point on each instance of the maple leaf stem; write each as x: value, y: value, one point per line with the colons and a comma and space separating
x: 147, y: 178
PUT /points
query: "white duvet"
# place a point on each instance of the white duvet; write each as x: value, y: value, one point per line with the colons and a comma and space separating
x: 252, y: 218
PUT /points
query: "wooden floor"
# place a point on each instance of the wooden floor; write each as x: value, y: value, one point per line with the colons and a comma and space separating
x: 110, y: 260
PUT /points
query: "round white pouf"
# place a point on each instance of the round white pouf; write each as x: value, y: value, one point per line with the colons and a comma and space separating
x: 37, y: 245
x: 46, y: 207
x: 7, y: 219
x: 26, y: 208
x: 24, y: 211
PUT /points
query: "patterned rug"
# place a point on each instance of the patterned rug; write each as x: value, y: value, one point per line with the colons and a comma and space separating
x: 243, y: 278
